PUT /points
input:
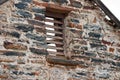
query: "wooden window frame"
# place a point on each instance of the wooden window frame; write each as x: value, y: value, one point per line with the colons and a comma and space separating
x: 58, y: 15
x: 58, y: 26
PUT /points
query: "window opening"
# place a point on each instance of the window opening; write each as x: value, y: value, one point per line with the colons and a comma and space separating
x: 54, y: 32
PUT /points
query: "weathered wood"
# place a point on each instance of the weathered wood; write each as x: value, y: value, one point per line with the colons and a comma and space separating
x: 62, y: 61
x: 53, y: 21
x: 3, y: 1
x: 107, y: 12
x: 54, y: 47
x: 54, y: 42
x: 58, y: 15
x: 55, y: 27
x: 52, y: 31
x: 55, y: 7
x: 54, y: 52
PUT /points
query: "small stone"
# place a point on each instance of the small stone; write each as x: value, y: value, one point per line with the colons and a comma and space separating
x: 40, y: 44
x: 118, y: 64
x: 11, y: 53
x: 92, y: 27
x: 21, y: 5
x: 97, y: 60
x: 81, y: 73
x: 78, y: 26
x: 10, y: 66
x: 40, y: 30
x: 39, y: 17
x: 98, y: 46
x: 46, y: 0
x: 29, y: 1
x: 90, y: 54
x: 15, y: 46
x: 15, y: 34
x: 38, y: 10
x: 36, y: 37
x: 24, y: 14
x: 103, y: 74
x: 75, y: 20
x: 111, y: 49
x: 60, y: 1
x: 24, y: 27
x: 3, y: 17
x: 76, y: 4
x: 39, y: 51
x: 35, y: 22
x: 95, y: 35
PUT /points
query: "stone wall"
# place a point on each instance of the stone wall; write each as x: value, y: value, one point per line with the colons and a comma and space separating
x: 89, y: 40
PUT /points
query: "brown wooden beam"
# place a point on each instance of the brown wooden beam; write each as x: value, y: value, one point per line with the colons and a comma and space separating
x: 58, y: 15
x: 62, y: 61
x: 54, y: 7
x: 107, y: 12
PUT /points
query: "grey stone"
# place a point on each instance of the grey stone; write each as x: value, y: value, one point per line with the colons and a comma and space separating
x: 24, y: 27
x: 75, y: 20
x: 29, y: 1
x: 95, y: 35
x: 24, y: 14
x: 97, y: 60
x: 35, y: 22
x: 38, y: 10
x: 36, y: 37
x: 21, y: 5
x: 92, y: 27
x: 76, y: 4
x: 15, y: 34
x: 92, y: 54
x: 11, y: 53
x: 46, y: 0
x: 60, y: 1
x: 39, y: 51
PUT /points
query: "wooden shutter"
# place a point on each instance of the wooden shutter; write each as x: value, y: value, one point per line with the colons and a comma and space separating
x: 55, y: 32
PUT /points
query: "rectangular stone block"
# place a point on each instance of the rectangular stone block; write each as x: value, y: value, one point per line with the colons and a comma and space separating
x: 36, y: 37
x: 35, y: 22
x: 11, y: 33
x: 13, y: 53
x: 24, y: 27
x: 14, y: 46
x: 39, y: 51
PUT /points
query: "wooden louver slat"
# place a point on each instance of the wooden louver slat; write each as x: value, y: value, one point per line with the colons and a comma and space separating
x: 54, y: 37
x: 54, y: 42
x: 54, y: 47
x: 55, y: 27
x: 54, y: 21
x: 52, y: 31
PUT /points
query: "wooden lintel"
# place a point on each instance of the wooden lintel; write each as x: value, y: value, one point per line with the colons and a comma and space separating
x: 54, y: 7
x: 62, y: 61
x: 58, y: 15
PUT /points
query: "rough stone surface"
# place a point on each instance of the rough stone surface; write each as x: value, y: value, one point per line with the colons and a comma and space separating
x: 89, y: 41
